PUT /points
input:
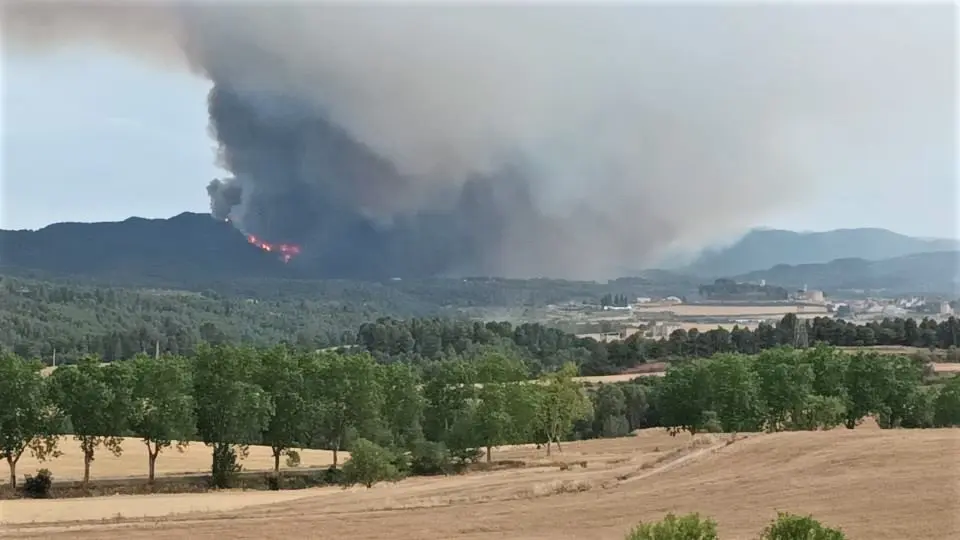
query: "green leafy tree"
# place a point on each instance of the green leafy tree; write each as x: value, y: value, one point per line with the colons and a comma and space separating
x: 609, y: 411
x: 946, y: 409
x: 866, y: 380
x: 162, y: 405
x: 638, y: 398
x: 349, y: 397
x: 499, y: 366
x: 369, y: 464
x: 687, y: 527
x: 281, y: 376
x: 463, y: 438
x: 794, y: 527
x: 919, y: 410
x: 492, y: 422
x: 96, y: 399
x: 562, y: 403
x: 735, y: 393
x: 28, y: 421
x: 820, y: 412
x: 683, y: 396
x: 829, y: 370
x: 448, y: 389
x: 232, y: 410
x: 523, y: 402
x: 402, y: 405
x: 900, y: 393
x: 785, y: 385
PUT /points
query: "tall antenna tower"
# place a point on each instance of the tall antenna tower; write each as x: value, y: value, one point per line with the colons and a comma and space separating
x: 800, y: 339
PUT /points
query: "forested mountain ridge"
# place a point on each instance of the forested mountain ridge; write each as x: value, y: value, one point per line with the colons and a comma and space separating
x: 936, y: 272
x: 763, y: 249
x: 195, y: 252
x: 184, y: 248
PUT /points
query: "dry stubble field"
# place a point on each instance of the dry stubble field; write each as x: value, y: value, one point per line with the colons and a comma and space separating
x: 133, y: 462
x: 876, y: 484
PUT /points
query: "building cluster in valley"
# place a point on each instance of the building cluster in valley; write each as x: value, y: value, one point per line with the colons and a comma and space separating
x: 728, y: 304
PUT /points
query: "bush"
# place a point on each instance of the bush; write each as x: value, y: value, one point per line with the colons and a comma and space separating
x: 332, y: 476
x: 430, y: 458
x: 38, y: 487
x: 292, y: 458
x: 711, y: 422
x: 369, y: 463
x: 688, y: 527
x: 225, y: 466
x: 465, y: 456
x: 794, y: 527
x: 273, y: 482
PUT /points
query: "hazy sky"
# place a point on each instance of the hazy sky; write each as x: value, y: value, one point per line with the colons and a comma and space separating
x: 88, y: 136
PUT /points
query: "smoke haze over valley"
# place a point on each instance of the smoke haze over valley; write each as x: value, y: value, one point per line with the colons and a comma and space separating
x: 524, y: 141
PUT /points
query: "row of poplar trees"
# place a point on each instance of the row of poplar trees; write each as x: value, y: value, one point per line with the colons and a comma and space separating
x: 230, y: 397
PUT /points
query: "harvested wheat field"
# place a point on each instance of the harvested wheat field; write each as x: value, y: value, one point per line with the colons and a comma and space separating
x: 944, y: 367
x: 876, y: 484
x: 132, y: 462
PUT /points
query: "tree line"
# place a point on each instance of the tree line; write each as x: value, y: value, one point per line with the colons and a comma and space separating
x: 545, y: 347
x: 440, y: 414
x: 925, y: 333
x: 230, y: 397
x: 402, y: 322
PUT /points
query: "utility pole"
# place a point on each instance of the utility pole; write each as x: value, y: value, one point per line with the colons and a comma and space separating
x: 156, y: 354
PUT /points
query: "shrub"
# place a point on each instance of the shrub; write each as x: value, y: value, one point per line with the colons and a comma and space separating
x: 369, y: 463
x: 292, y: 458
x: 794, y: 527
x: 332, y: 476
x: 273, y: 482
x: 430, y: 458
x: 688, y: 527
x: 38, y: 487
x: 711, y: 422
x: 225, y: 465
x: 465, y: 456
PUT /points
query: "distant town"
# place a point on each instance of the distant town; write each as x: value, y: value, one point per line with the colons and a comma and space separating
x: 728, y: 304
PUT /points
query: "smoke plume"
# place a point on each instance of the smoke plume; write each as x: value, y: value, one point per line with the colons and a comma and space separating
x: 528, y: 140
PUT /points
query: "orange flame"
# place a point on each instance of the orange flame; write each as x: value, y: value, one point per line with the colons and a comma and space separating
x: 286, y: 251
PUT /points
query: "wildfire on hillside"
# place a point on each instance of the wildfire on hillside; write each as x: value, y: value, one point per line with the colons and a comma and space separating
x: 286, y: 251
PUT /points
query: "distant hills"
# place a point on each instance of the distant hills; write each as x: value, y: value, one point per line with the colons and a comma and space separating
x: 764, y: 249
x: 919, y: 273
x: 191, y: 250
x: 182, y: 248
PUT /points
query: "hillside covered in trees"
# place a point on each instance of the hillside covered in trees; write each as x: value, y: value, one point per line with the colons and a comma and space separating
x: 936, y: 272
x: 39, y: 318
x: 765, y: 248
x: 194, y: 252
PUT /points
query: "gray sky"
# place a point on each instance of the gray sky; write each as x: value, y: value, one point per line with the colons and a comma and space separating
x: 90, y: 136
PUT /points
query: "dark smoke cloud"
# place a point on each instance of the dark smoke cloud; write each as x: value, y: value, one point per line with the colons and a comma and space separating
x: 561, y: 141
